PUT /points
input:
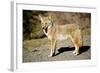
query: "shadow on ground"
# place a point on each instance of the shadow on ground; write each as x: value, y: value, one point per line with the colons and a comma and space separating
x: 64, y: 49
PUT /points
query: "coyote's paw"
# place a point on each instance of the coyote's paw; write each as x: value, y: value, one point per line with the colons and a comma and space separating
x: 75, y: 53
x: 50, y: 55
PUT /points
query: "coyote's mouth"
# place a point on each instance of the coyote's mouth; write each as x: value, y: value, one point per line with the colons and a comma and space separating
x: 45, y: 29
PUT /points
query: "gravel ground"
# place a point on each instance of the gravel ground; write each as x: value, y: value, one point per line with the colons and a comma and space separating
x: 64, y: 51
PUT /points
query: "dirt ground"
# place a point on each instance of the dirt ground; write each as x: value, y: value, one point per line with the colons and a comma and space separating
x: 37, y: 50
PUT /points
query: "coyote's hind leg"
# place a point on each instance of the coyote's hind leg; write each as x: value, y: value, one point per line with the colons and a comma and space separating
x: 76, y: 44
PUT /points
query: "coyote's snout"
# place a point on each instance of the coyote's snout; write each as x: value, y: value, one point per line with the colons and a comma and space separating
x: 56, y: 32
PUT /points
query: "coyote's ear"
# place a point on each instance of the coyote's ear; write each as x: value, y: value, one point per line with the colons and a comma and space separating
x: 40, y: 18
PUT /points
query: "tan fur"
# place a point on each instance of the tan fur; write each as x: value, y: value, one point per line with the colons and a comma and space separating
x: 56, y: 32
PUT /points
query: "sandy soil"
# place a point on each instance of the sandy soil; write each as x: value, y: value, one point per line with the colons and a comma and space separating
x: 64, y: 51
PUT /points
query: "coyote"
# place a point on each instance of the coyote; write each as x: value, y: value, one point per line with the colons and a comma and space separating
x: 56, y: 32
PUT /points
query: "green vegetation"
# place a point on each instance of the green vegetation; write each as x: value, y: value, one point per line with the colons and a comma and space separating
x: 31, y: 24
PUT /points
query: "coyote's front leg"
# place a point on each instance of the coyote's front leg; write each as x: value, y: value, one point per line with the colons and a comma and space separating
x: 53, y: 48
x: 76, y: 51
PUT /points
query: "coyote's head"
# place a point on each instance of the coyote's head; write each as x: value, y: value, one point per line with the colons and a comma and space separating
x: 45, y: 21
